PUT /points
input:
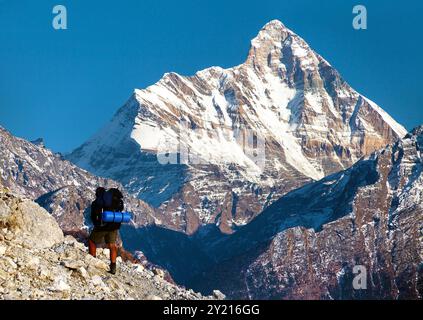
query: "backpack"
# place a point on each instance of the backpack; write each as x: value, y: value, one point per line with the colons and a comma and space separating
x: 110, y: 200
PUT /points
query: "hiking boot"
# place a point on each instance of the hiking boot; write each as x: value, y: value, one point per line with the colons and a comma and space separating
x: 113, y: 268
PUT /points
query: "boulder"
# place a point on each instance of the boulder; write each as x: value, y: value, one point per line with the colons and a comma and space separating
x: 73, y: 264
x: 83, y: 273
x: 159, y: 273
x: 60, y: 284
x: 218, y: 295
x: 35, y: 227
x: 97, y: 281
x: 96, y: 263
x: 138, y: 268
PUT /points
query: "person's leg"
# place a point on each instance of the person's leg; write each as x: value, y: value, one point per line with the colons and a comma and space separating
x: 111, y: 238
x: 113, y: 256
x: 92, y: 248
x: 113, y: 252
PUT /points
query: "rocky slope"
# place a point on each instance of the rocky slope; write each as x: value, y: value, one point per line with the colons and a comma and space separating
x: 306, y: 244
x: 38, y: 262
x: 285, y: 102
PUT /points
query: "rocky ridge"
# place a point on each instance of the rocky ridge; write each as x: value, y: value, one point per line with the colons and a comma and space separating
x: 306, y: 245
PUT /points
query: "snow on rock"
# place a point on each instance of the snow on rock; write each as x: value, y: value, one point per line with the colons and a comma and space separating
x: 311, y: 123
x: 306, y: 244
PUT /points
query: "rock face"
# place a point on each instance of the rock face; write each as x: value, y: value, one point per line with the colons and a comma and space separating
x: 307, y: 244
x: 286, y: 103
x: 38, y: 262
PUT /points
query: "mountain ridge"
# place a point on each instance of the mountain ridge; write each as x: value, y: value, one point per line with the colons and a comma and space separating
x: 307, y: 122
x: 305, y: 245
x: 36, y: 173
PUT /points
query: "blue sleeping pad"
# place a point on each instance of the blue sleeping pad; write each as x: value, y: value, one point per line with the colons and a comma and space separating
x: 118, y: 217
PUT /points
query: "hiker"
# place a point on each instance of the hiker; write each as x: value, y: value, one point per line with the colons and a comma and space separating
x: 105, y: 232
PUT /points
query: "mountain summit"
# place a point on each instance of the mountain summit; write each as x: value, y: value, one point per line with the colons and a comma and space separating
x: 303, y: 123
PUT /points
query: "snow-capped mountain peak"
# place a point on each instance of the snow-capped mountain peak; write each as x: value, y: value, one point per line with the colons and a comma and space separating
x: 275, y: 44
x: 304, y: 119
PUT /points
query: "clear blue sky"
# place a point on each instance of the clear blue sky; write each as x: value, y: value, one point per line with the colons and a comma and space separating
x: 64, y: 85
